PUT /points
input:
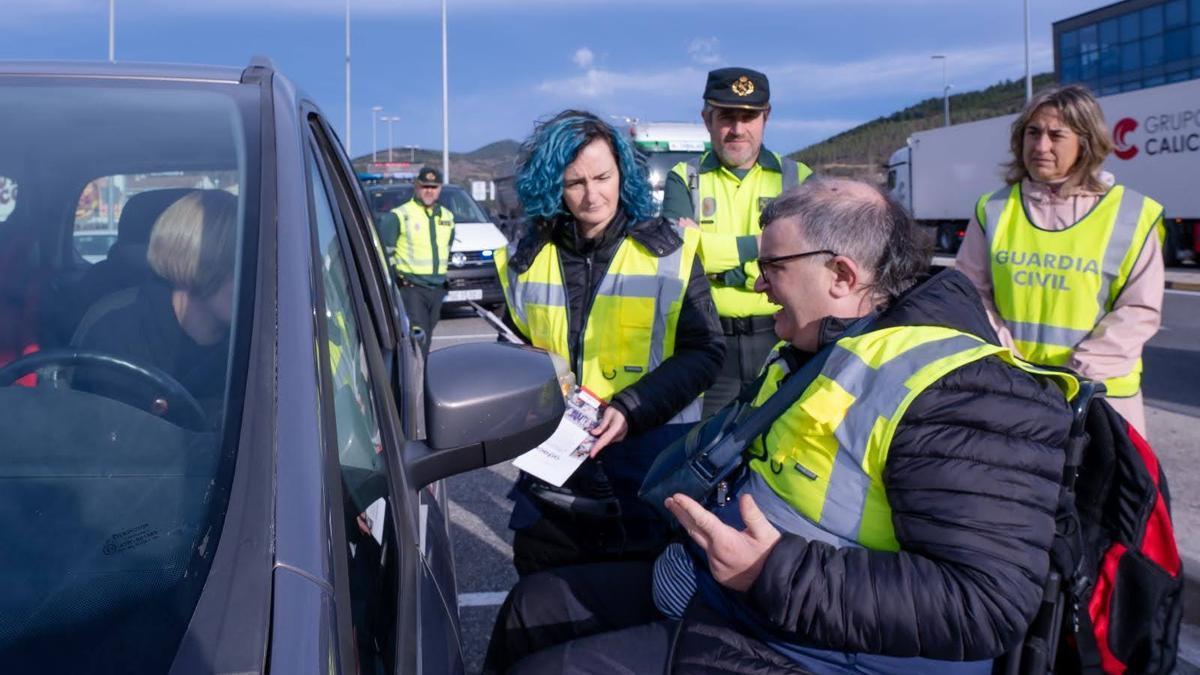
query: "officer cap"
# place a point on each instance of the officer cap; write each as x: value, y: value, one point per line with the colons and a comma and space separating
x: 429, y: 176
x: 737, y: 88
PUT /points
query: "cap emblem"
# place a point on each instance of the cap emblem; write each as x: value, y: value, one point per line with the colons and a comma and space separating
x: 742, y: 86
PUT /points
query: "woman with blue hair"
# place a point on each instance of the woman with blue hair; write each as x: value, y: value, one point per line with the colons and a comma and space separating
x: 621, y: 295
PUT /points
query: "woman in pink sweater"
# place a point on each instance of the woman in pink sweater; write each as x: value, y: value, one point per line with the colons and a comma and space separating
x: 1068, y: 263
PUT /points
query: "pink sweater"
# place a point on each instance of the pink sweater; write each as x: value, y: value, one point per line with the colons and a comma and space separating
x: 1116, y: 342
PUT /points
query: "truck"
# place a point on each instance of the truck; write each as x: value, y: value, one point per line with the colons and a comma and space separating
x: 665, y: 144
x: 940, y: 173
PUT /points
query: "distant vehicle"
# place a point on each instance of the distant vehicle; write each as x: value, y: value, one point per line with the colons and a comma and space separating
x: 666, y: 144
x: 274, y: 503
x: 940, y: 173
x: 471, y: 274
x: 93, y: 245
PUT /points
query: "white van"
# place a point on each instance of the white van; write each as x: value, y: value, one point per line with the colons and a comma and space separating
x: 471, y: 274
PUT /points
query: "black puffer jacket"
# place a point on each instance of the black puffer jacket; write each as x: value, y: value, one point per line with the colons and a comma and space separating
x: 699, y: 343
x: 972, y: 478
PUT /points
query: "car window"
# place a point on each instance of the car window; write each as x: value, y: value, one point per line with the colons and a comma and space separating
x: 102, y: 202
x: 371, y: 551
x: 121, y: 390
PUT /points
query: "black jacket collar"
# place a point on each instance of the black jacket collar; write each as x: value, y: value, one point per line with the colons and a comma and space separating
x: 658, y: 235
x: 947, y: 299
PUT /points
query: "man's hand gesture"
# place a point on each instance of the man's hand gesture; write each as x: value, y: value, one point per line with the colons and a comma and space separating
x: 734, y: 558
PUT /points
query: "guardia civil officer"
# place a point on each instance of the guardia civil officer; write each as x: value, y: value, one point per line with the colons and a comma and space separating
x: 896, y: 518
x: 422, y: 252
x: 723, y: 192
x: 622, y: 297
x: 1070, y: 265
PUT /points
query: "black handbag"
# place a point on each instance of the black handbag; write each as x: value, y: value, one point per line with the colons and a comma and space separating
x: 701, y: 463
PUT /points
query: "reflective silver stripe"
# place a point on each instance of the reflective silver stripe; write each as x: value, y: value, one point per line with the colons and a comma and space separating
x: 785, y: 517
x: 512, y: 290
x: 992, y: 209
x: 791, y: 173
x: 693, y: 183
x: 1119, y: 243
x: 629, y: 286
x: 668, y: 289
x: 690, y: 412
x: 878, y: 394
x: 1046, y: 334
x: 408, y: 239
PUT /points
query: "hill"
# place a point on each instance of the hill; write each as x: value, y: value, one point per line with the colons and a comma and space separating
x: 862, y: 152
x: 489, y: 162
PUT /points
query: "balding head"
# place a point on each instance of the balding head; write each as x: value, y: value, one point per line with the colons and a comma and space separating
x: 857, y: 221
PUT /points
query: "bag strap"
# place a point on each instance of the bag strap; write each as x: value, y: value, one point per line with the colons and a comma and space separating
x: 753, y: 421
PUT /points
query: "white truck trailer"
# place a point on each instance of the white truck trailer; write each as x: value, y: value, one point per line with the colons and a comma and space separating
x: 940, y: 173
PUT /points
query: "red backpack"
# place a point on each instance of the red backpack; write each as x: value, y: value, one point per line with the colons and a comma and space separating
x: 1113, y: 602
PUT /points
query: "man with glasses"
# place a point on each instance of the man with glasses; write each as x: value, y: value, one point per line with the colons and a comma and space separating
x: 722, y: 193
x: 422, y: 251
x: 897, y: 517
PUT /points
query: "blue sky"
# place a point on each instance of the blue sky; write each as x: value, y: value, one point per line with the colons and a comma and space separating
x: 832, y: 63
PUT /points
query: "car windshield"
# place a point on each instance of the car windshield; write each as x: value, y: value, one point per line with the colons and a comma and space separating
x: 659, y: 164
x: 456, y: 199
x: 121, y: 295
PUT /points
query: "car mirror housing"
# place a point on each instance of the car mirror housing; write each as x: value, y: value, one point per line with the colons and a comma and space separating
x: 485, y: 403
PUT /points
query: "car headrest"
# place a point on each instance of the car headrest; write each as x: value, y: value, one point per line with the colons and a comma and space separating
x: 140, y: 212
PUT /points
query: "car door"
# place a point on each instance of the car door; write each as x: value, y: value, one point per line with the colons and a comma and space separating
x: 415, y: 558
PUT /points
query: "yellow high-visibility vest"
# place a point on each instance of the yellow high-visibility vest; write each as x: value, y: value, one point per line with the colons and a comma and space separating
x: 423, y: 243
x: 630, y: 329
x: 819, y: 468
x: 728, y: 207
x: 1053, y: 287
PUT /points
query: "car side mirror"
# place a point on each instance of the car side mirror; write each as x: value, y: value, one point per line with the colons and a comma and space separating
x: 485, y: 403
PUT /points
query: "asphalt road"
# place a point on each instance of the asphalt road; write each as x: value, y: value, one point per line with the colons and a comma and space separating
x: 482, y: 541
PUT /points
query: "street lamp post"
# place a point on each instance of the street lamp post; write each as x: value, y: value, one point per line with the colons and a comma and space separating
x: 112, y: 31
x: 445, y: 105
x: 1028, y: 73
x: 375, y: 110
x: 389, y: 120
x: 945, y: 89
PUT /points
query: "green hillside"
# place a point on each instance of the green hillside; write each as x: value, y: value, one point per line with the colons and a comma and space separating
x: 863, y: 151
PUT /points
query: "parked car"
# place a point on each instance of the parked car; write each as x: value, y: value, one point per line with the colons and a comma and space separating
x: 471, y: 273
x: 259, y: 487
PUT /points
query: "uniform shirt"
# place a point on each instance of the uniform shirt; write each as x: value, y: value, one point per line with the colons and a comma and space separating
x: 1116, y: 343
x: 677, y: 202
x: 390, y: 222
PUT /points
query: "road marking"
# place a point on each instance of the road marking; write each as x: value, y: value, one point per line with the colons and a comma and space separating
x: 1173, y: 291
x: 486, y: 599
x: 472, y: 336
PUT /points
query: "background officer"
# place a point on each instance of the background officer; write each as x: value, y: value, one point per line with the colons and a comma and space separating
x: 723, y: 192
x: 422, y: 253
x: 1070, y: 265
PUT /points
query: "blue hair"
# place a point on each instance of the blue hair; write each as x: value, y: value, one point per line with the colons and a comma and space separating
x: 554, y: 144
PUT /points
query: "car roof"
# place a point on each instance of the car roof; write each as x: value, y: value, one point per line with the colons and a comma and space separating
x: 145, y: 71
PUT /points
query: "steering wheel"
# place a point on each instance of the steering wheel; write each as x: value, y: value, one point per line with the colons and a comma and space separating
x: 177, y: 403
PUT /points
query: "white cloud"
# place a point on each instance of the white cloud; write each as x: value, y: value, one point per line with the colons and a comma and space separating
x: 601, y: 83
x: 911, y: 72
x: 704, y: 51
x: 584, y: 58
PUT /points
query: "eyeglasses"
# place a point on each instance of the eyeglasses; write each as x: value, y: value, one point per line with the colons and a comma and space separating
x: 778, y: 260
